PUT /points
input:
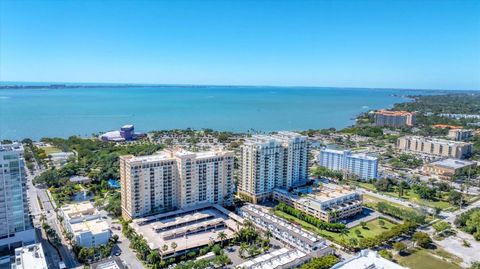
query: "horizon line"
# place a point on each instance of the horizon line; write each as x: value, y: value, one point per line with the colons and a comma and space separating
x: 50, y: 83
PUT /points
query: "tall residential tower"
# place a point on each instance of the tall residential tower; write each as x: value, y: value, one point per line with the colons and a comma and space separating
x: 16, y: 227
x: 175, y: 179
x: 273, y: 161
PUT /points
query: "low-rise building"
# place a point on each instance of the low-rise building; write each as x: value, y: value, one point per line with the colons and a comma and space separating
x: 448, y: 168
x: 364, y: 166
x: 110, y: 263
x: 460, y: 134
x: 435, y: 146
x: 86, y: 224
x: 394, y: 118
x: 282, y: 230
x: 367, y: 259
x: 189, y: 228
x: 279, y: 259
x: 30, y: 257
x: 330, y: 203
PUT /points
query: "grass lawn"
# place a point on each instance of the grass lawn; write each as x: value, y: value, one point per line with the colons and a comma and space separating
x: 422, y: 259
x: 50, y: 149
x: 372, y: 200
x: 373, y: 228
x: 408, y: 195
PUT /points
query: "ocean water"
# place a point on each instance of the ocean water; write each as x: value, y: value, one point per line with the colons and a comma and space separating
x: 36, y: 113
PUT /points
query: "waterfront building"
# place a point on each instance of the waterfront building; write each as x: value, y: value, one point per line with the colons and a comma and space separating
x: 394, y: 118
x: 272, y: 161
x: 365, y: 167
x: 460, y: 134
x: 278, y: 259
x: 30, y: 257
x: 16, y: 227
x: 86, y: 224
x: 291, y: 235
x: 330, y: 203
x: 367, y: 259
x: 175, y: 179
x: 126, y: 133
x: 448, y: 168
x: 435, y: 146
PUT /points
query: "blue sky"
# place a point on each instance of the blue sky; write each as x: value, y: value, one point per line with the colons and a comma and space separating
x: 392, y: 44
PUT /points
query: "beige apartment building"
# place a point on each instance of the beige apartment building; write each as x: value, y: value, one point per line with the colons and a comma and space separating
x: 394, y: 118
x: 272, y: 161
x: 173, y: 180
x: 434, y: 146
x: 331, y: 203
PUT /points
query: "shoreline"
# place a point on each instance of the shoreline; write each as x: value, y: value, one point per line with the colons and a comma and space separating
x: 96, y: 126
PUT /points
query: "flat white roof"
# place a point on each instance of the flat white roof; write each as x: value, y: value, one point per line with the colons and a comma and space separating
x: 95, y: 226
x: 453, y: 163
x: 274, y: 259
x: 162, y: 156
x: 30, y: 257
x: 367, y: 259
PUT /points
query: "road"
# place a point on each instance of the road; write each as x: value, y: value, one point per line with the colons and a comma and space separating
x: 455, y: 243
x: 127, y: 255
x: 39, y: 204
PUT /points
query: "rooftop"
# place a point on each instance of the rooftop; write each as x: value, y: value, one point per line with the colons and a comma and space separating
x: 11, y: 147
x: 162, y: 156
x: 437, y: 140
x: 367, y: 259
x: 110, y: 263
x: 453, y: 163
x: 78, y: 209
x: 279, y: 137
x: 446, y: 126
x: 330, y: 195
x: 30, y: 257
x: 95, y: 226
x: 393, y: 113
x: 274, y: 259
x: 188, y: 228
x: 282, y: 225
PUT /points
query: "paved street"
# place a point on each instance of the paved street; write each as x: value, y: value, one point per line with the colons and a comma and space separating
x: 48, y: 210
x: 127, y: 255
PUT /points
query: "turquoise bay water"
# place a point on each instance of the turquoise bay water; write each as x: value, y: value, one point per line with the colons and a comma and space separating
x: 37, y: 113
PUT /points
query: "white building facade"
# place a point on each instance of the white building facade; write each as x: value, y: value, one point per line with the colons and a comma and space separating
x: 360, y: 164
x: 273, y: 161
x: 16, y: 228
x: 86, y: 225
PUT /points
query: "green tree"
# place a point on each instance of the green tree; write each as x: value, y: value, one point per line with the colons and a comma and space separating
x: 441, y: 226
x: 422, y: 239
x: 385, y: 254
x: 324, y: 262
x: 400, y: 247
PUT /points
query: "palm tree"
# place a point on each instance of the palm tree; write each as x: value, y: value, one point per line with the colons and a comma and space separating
x: 243, y: 248
x: 268, y: 234
x: 164, y: 249
x: 174, y: 246
x: 222, y: 236
x: 248, y: 223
